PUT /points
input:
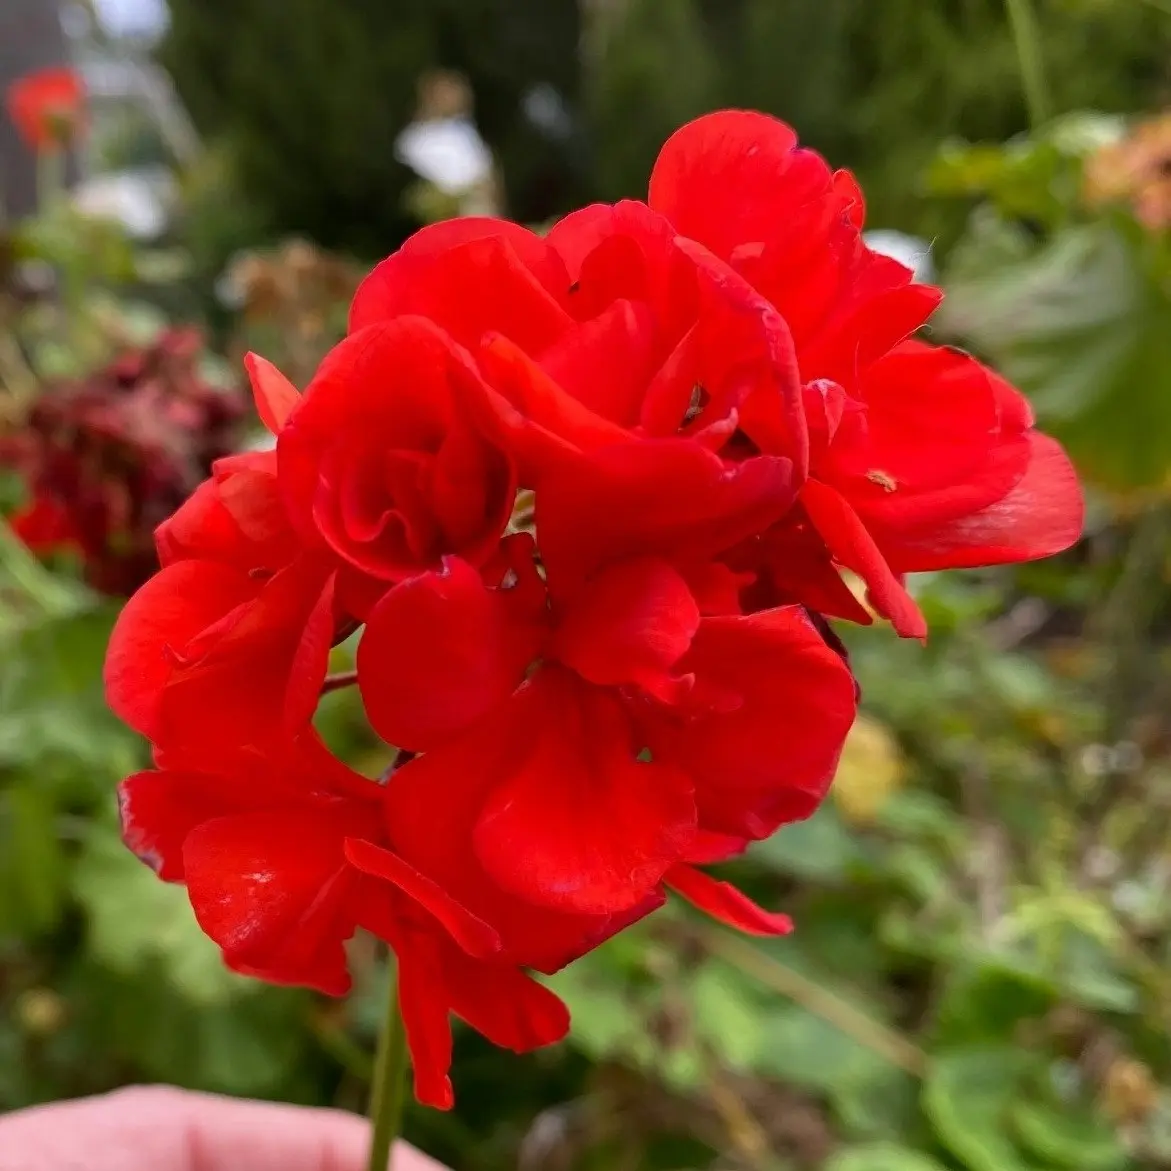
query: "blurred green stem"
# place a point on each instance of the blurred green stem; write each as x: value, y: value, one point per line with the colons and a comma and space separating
x: 1027, y: 39
x: 1127, y: 616
x: 50, y: 178
x: 388, y: 1090
x: 814, y: 998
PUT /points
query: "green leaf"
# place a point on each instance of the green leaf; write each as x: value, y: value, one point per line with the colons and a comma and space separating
x: 880, y: 1157
x: 726, y: 1017
x: 1077, y: 1142
x: 136, y: 920
x: 865, y: 1090
x: 32, y: 864
x: 820, y: 848
x: 1081, y: 327
x: 984, y: 1000
x: 967, y: 1096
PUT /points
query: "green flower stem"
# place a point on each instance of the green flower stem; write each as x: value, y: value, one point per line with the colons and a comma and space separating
x: 388, y: 1090
x: 1027, y: 38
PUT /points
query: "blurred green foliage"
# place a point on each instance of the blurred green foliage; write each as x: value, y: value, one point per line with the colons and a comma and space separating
x: 309, y: 97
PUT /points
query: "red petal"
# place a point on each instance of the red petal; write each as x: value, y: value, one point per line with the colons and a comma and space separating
x: 477, y: 286
x: 270, y: 888
x: 581, y: 824
x: 237, y: 517
x: 627, y: 252
x: 724, y: 902
x: 662, y: 497
x: 709, y: 848
x: 202, y: 528
x: 541, y: 416
x: 799, y: 568
x: 158, y: 810
x: 845, y: 348
x: 606, y: 363
x: 447, y: 787
x: 257, y: 676
x: 1042, y: 515
x: 773, y: 704
x: 276, y: 397
x: 388, y: 383
x: 749, y: 348
x: 852, y: 545
x: 159, y: 620
x: 423, y: 1002
x: 380, y: 295
x: 630, y: 623
x: 715, y: 587
x: 471, y: 933
x: 504, y: 1004
x: 439, y: 651
x: 729, y: 177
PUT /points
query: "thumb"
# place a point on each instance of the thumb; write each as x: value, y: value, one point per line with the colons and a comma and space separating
x: 155, y: 1128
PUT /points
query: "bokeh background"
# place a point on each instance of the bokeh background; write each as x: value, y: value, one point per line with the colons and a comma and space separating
x: 981, y: 975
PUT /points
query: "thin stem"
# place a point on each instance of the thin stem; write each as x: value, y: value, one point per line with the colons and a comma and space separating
x: 388, y: 1090
x: 814, y: 998
x: 1027, y: 39
x: 338, y: 681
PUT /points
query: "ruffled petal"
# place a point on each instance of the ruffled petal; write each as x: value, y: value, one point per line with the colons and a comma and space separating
x: 1042, y: 515
x: 441, y: 650
x: 257, y: 676
x: 382, y: 293
x: 472, y: 934
x: 772, y: 706
x: 505, y: 1004
x: 156, y: 624
x: 447, y: 787
x: 630, y: 623
x: 275, y: 396
x: 663, y: 497
x: 732, y: 176
x: 271, y: 889
x: 580, y: 823
x: 424, y: 1003
x: 479, y: 285
x: 852, y: 545
x: 724, y: 902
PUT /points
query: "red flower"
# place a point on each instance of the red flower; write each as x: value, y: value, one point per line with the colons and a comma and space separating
x: 285, y: 857
x: 606, y: 681
x: 580, y: 819
x: 589, y: 371
x: 47, y: 107
x: 741, y: 310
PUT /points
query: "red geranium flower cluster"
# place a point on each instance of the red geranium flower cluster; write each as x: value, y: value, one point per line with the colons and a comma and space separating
x: 107, y: 457
x: 589, y: 497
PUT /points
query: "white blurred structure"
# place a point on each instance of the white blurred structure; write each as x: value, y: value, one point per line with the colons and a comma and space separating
x: 447, y: 152
x: 907, y: 250
x: 134, y: 19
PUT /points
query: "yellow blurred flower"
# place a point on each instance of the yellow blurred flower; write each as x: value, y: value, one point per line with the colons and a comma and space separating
x: 872, y: 769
